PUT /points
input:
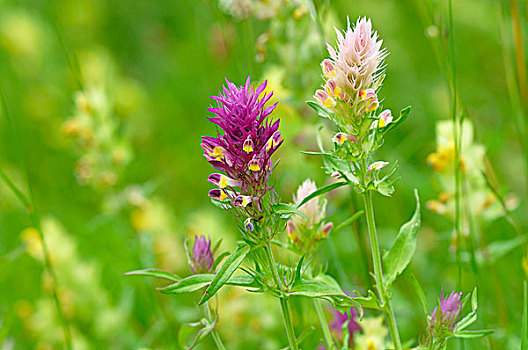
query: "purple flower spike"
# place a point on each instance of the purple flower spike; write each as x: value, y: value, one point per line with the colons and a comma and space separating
x: 245, y: 143
x: 202, y: 257
x: 450, y: 308
x: 341, y: 318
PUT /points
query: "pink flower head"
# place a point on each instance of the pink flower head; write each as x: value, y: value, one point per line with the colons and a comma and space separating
x: 353, y: 72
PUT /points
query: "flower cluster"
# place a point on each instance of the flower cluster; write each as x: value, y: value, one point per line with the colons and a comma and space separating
x: 353, y: 73
x: 201, y: 257
x: 304, y: 234
x: 443, y: 320
x: 95, y: 128
x: 243, y: 150
x: 482, y: 201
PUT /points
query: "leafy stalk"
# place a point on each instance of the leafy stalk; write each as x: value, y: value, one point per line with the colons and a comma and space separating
x: 378, y: 273
x: 285, y: 309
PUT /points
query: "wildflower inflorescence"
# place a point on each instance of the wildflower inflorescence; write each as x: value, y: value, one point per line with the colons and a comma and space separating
x: 352, y: 75
x: 443, y: 320
x: 304, y: 235
x: 243, y: 150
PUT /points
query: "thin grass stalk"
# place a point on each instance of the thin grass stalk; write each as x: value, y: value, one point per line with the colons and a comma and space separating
x: 513, y: 88
x: 524, y: 327
x: 69, y: 54
x: 522, y: 79
x: 30, y: 204
x: 456, y: 136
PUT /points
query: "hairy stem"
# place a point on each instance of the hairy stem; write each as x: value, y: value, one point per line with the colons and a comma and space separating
x: 285, y: 309
x: 378, y: 273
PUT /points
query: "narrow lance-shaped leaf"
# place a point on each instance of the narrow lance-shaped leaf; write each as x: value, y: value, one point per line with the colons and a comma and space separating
x: 349, y: 221
x: 473, y: 334
x: 421, y: 295
x: 321, y: 191
x: 225, y: 272
x: 286, y: 210
x: 155, y: 273
x: 403, y: 115
x: 402, y: 251
x: 196, y: 282
x: 322, y: 111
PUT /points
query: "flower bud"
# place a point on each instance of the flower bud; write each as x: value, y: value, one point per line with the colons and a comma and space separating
x: 201, y: 258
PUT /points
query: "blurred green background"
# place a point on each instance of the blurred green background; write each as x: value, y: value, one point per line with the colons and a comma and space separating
x: 122, y: 191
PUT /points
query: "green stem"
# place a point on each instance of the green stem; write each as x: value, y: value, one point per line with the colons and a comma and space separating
x: 285, y: 309
x: 286, y: 317
x: 214, y: 333
x: 378, y: 273
x: 456, y: 136
x: 324, y: 325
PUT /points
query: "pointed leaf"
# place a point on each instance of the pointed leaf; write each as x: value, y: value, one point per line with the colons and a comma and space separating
x: 421, y: 295
x: 285, y: 210
x: 226, y: 270
x: 196, y: 282
x: 321, y: 191
x: 403, y: 115
x: 402, y: 251
x: 155, y: 273
x: 188, y: 284
x: 473, y: 334
x: 349, y: 221
x: 322, y: 111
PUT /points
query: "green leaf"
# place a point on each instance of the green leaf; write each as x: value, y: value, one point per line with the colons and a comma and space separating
x: 402, y: 251
x: 226, y: 270
x: 349, y: 221
x: 421, y: 295
x: 196, y: 282
x: 403, y: 115
x: 322, y: 111
x: 219, y: 259
x: 188, y: 284
x: 473, y: 333
x: 369, y: 302
x: 298, y: 271
x: 318, y: 288
x: 472, y: 316
x: 155, y: 273
x: 325, y: 287
x: 286, y: 210
x: 321, y: 191
x: 311, y: 153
